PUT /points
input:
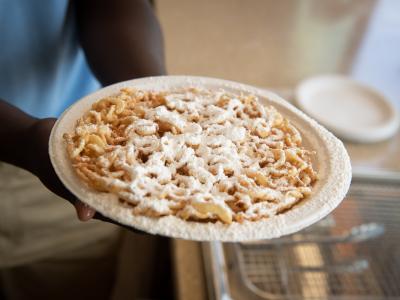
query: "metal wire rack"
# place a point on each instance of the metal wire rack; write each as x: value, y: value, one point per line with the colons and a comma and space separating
x: 352, y: 254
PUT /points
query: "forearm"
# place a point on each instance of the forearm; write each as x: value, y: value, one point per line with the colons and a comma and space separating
x: 121, y: 39
x: 14, y: 132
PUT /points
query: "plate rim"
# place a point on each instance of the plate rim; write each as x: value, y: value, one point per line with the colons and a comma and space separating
x: 312, y: 210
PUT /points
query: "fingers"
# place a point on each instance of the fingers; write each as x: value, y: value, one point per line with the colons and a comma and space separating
x: 84, y: 211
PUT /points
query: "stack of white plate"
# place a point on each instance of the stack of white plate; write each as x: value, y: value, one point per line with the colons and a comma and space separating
x: 353, y: 111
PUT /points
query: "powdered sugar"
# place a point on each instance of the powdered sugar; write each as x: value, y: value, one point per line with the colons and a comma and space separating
x: 328, y: 148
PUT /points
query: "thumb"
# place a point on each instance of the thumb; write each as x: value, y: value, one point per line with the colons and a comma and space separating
x: 83, y: 211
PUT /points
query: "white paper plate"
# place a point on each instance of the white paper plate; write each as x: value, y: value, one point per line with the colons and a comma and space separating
x: 352, y: 111
x: 331, y: 162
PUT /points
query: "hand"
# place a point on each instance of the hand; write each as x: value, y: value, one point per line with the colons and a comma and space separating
x: 22, y: 134
x: 39, y: 163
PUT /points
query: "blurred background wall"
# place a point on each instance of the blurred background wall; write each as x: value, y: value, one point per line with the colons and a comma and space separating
x: 263, y: 42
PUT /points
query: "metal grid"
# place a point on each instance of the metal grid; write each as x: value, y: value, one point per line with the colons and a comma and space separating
x: 352, y: 254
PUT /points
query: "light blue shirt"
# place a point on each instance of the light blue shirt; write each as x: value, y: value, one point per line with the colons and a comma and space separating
x: 42, y: 67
